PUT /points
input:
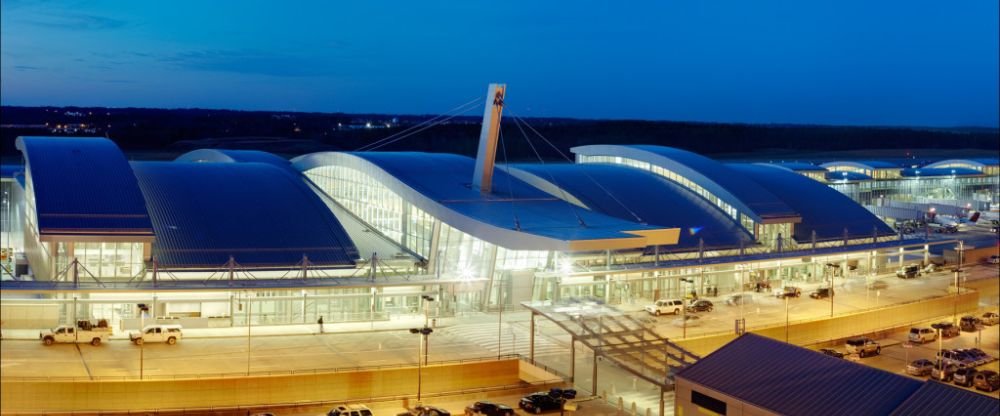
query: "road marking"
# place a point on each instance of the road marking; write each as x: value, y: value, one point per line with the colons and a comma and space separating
x: 84, y: 361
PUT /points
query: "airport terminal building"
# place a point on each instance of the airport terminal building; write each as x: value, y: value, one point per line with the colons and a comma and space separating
x: 220, y: 237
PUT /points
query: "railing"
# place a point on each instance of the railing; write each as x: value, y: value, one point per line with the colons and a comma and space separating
x: 270, y: 373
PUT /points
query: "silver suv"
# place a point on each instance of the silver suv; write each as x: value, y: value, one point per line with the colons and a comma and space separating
x: 922, y: 335
x: 863, y: 346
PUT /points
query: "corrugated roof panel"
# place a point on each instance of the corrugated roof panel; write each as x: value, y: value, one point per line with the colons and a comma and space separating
x: 227, y: 155
x: 626, y: 192
x: 792, y: 380
x: 822, y: 208
x: 447, y: 178
x: 262, y: 215
x: 84, y: 186
x: 935, y: 399
x: 705, y: 172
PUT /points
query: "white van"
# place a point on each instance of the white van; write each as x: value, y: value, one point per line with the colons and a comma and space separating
x: 157, y: 333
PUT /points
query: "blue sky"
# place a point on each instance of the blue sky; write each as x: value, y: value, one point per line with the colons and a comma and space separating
x: 913, y: 62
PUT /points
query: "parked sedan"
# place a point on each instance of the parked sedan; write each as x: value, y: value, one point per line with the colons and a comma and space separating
x: 788, y: 292
x: 986, y: 380
x: 948, y: 329
x: 700, y: 305
x: 943, y: 372
x: 964, y: 376
x: 540, y: 402
x: 920, y: 368
x: 821, y: 293
x: 990, y: 318
x: 488, y: 409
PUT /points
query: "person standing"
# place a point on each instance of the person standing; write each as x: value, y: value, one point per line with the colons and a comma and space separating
x: 320, y: 322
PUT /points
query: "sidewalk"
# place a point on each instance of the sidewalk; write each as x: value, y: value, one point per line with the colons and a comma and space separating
x: 399, y: 323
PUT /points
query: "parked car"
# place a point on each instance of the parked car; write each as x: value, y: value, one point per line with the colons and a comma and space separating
x: 488, y: 409
x: 908, y: 272
x: 822, y: 293
x: 920, y: 368
x: 994, y: 259
x: 956, y: 357
x: 540, y: 402
x: 863, y: 346
x: 832, y: 352
x: 969, y: 323
x: 701, y: 305
x: 986, y: 380
x: 990, y: 318
x: 691, y: 320
x: 947, y: 329
x: 425, y: 410
x: 982, y: 355
x: 963, y: 376
x: 739, y: 299
x: 943, y: 371
x: 663, y: 306
x: 788, y: 292
x: 922, y: 335
x: 350, y: 410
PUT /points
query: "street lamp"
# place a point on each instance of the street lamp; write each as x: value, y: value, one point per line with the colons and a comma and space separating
x: 423, y: 332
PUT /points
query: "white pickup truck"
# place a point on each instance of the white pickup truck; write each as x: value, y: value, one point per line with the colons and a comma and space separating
x: 157, y: 333
x: 83, y: 332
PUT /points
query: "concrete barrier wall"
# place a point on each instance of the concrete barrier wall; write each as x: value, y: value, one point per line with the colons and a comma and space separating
x: 357, y: 386
x: 868, y: 322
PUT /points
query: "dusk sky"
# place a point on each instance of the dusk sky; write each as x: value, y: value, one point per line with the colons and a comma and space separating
x: 904, y: 62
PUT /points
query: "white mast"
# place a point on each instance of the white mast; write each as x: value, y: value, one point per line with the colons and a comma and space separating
x: 486, y: 156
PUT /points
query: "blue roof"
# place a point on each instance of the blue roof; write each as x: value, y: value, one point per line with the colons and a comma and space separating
x: 800, y: 166
x: 935, y: 398
x: 626, y: 192
x: 924, y: 172
x: 84, y: 186
x: 229, y: 156
x: 792, y: 380
x: 978, y: 162
x: 707, y: 173
x: 514, y: 215
x: 262, y: 215
x: 8, y: 170
x: 822, y: 208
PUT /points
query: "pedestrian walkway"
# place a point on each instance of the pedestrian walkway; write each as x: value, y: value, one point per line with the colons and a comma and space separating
x: 511, y: 338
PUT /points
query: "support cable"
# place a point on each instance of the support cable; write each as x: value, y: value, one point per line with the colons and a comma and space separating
x: 591, y: 178
x: 417, y: 128
x: 571, y: 206
x: 510, y: 186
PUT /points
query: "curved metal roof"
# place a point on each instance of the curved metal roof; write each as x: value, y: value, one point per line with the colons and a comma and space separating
x: 230, y: 156
x: 925, y: 172
x: 747, y: 196
x: 823, y: 209
x: 798, y: 166
x: 83, y: 186
x: 262, y: 215
x: 974, y: 163
x: 863, y: 164
x: 637, y: 195
x: 440, y: 184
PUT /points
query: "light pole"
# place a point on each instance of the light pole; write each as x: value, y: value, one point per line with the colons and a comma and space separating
x: 500, y: 297
x: 423, y: 332
x: 425, y: 300
x: 786, y: 318
x: 249, y: 316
